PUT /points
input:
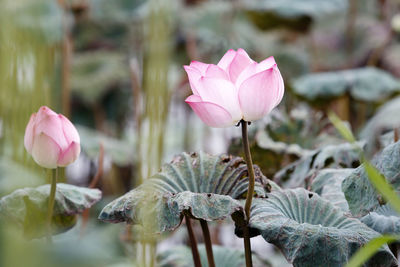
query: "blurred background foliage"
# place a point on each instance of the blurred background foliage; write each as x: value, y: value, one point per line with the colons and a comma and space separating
x: 115, y: 69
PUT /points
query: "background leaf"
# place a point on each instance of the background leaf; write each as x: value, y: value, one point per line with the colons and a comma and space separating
x: 359, y: 83
x: 360, y: 186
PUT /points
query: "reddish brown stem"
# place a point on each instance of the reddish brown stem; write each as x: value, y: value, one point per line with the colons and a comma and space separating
x: 193, y: 243
x: 207, y: 242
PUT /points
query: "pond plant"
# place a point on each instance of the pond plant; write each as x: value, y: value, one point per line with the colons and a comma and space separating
x: 323, y: 226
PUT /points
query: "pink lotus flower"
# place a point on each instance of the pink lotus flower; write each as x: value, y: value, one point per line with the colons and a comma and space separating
x: 235, y: 89
x: 51, y: 139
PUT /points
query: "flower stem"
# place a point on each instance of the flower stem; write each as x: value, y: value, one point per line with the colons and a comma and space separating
x: 51, y: 203
x: 250, y: 192
x: 193, y: 242
x: 207, y: 241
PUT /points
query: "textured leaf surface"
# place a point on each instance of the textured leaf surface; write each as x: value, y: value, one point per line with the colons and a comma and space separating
x: 223, y: 256
x: 383, y: 220
x: 310, y: 231
x: 333, y: 156
x: 360, y: 193
x: 204, y: 186
x: 328, y: 184
x: 359, y: 83
x: 27, y: 207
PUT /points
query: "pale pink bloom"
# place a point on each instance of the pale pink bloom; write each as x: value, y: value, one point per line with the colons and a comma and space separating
x: 236, y: 88
x: 51, y: 139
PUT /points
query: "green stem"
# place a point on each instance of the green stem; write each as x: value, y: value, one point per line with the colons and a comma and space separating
x: 250, y: 193
x: 51, y: 203
x: 207, y: 241
x: 153, y: 253
x: 144, y: 247
x: 193, y: 242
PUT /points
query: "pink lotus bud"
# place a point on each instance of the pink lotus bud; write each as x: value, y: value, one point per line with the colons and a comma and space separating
x: 51, y: 139
x: 236, y: 88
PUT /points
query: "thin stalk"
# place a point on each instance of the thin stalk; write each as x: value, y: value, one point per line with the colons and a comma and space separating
x: 144, y: 253
x: 153, y: 252
x: 250, y: 169
x: 247, y: 246
x: 207, y: 241
x: 250, y: 192
x: 51, y: 203
x: 193, y: 243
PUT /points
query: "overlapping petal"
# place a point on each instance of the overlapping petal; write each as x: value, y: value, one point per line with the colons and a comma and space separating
x: 238, y: 64
x: 227, y: 59
x: 69, y: 130
x: 211, y: 114
x: 29, y: 132
x: 45, y: 151
x: 223, y: 93
x: 43, y: 113
x: 258, y: 94
x: 69, y: 155
x: 255, y: 68
x: 51, y: 126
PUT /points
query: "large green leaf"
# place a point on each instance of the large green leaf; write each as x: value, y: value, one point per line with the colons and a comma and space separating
x: 328, y: 184
x: 360, y: 193
x: 200, y: 185
x: 223, y: 256
x: 296, y: 174
x: 359, y: 83
x: 27, y: 207
x: 297, y: 15
x: 310, y: 231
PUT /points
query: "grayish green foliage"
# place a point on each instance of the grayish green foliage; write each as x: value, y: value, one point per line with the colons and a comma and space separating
x: 93, y: 73
x: 27, y: 207
x: 359, y: 83
x: 41, y: 18
x: 310, y: 231
x: 360, y: 193
x: 224, y: 257
x: 387, y: 118
x: 328, y: 184
x: 200, y: 185
x: 122, y: 11
x: 333, y: 156
x: 119, y: 150
x: 383, y: 220
x: 14, y: 175
x: 293, y: 14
